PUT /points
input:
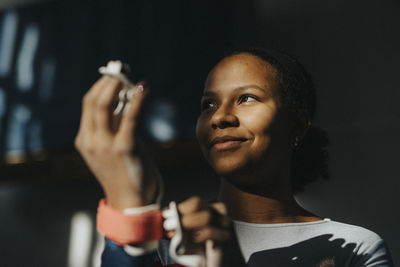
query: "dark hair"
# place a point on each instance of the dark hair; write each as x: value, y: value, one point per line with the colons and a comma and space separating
x: 298, y: 97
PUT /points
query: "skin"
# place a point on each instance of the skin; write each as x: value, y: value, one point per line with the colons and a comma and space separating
x: 240, y: 104
x: 241, y: 100
x: 118, y: 159
x: 116, y: 155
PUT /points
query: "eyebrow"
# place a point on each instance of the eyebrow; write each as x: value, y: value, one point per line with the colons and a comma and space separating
x: 238, y: 89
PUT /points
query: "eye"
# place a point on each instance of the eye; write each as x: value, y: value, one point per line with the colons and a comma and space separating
x: 208, y: 104
x: 247, y: 98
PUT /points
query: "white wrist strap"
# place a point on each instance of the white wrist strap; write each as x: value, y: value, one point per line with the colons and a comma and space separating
x: 138, y: 210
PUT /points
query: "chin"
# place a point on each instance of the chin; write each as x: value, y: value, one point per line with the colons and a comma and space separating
x: 229, y: 167
x: 239, y: 178
x: 241, y: 171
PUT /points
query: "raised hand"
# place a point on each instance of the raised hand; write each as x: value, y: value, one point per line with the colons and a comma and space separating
x: 112, y: 149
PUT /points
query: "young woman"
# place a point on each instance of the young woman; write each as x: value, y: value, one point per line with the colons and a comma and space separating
x: 253, y: 129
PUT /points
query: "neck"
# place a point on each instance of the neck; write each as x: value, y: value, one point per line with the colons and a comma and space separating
x: 274, y: 204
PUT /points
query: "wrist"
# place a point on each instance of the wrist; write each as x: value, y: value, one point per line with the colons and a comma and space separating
x: 135, y: 225
x: 121, y: 203
x: 121, y: 199
x: 122, y: 196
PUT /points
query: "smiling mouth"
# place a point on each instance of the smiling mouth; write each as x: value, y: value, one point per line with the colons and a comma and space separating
x: 226, y: 143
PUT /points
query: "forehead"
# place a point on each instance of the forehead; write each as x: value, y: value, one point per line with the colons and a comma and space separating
x: 241, y: 70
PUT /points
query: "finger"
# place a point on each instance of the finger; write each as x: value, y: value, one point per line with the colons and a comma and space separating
x: 211, y: 233
x: 196, y: 220
x: 214, y: 255
x: 89, y: 104
x: 220, y: 207
x: 170, y: 234
x: 87, y: 124
x: 131, y: 114
x: 105, y: 105
x: 191, y: 205
x: 203, y: 218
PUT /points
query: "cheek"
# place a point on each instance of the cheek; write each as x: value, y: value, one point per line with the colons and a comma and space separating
x: 262, y: 127
x: 259, y: 123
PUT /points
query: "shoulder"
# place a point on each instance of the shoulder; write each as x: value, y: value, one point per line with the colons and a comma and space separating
x: 351, y: 232
x: 349, y: 245
x: 368, y: 245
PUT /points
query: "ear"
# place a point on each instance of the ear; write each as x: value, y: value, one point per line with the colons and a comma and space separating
x: 300, y: 129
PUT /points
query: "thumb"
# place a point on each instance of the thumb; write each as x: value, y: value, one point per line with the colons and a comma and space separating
x: 213, y: 254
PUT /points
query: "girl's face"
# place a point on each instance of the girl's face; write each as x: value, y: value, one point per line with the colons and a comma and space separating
x: 241, y: 128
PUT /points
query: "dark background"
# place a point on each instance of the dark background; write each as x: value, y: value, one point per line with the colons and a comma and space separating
x: 351, y: 49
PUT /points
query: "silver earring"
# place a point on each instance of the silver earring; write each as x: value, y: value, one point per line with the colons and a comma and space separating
x: 296, y: 142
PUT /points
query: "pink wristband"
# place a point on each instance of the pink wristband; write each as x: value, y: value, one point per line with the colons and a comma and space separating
x: 127, y: 229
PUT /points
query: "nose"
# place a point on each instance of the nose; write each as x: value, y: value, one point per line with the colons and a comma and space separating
x: 224, y: 117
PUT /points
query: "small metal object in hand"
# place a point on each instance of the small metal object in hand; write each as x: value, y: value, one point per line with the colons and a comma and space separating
x: 117, y: 69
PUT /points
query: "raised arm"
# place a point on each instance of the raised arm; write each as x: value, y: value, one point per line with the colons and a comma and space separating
x: 112, y: 150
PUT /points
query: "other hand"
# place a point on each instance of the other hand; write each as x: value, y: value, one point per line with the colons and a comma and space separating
x: 203, y: 221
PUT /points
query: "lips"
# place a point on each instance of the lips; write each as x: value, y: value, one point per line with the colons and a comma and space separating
x: 226, y: 142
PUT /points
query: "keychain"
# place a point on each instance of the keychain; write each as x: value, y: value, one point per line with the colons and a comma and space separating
x: 121, y: 71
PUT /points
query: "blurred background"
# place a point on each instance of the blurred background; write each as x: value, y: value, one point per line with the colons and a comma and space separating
x: 50, y: 52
